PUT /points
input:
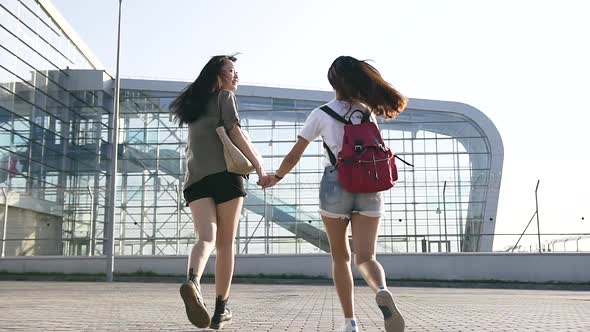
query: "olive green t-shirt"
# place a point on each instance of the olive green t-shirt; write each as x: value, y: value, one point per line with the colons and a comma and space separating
x: 204, y: 150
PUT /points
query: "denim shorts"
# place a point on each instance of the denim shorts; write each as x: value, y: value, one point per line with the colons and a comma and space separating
x: 335, y: 202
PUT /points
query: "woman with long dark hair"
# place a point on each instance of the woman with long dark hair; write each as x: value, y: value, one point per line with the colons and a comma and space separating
x: 358, y: 87
x: 214, y: 195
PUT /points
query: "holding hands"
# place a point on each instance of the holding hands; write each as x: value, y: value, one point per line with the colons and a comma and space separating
x: 292, y: 158
x: 268, y: 181
x: 260, y: 172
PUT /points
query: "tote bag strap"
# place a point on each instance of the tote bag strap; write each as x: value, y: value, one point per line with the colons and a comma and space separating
x: 220, y: 122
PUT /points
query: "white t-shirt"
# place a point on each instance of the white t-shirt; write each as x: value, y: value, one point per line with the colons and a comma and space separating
x: 318, y: 123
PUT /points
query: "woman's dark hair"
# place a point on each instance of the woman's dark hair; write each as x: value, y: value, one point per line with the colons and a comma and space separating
x: 357, y: 81
x: 190, y: 105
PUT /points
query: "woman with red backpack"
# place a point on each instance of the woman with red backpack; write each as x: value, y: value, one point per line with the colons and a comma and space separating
x: 361, y: 95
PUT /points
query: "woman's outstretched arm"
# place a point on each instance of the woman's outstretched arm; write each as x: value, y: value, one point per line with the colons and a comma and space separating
x: 287, y: 165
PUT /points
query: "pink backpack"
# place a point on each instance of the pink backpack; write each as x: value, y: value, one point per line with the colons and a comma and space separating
x: 365, y: 164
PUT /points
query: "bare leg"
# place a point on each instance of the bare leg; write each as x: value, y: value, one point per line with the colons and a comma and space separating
x: 364, y: 239
x: 205, y: 221
x: 228, y: 217
x: 337, y: 230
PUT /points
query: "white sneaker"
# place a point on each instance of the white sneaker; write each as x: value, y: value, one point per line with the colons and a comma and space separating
x: 393, y: 319
x: 351, y: 326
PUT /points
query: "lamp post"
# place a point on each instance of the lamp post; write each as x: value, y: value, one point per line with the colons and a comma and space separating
x: 91, y: 241
x: 445, y: 212
x: 110, y: 243
x: 537, y: 209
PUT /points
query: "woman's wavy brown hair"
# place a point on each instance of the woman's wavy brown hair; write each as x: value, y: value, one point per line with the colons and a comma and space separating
x: 357, y: 81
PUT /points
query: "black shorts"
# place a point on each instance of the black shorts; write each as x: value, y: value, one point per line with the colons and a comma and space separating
x: 222, y: 187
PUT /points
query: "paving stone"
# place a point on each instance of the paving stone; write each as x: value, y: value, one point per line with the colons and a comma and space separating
x: 82, y: 306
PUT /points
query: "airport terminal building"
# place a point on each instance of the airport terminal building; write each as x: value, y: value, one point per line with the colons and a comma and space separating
x: 56, y: 107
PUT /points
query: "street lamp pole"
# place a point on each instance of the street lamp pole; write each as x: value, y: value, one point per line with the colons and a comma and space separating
x: 110, y: 243
x: 445, y: 214
x: 537, y: 209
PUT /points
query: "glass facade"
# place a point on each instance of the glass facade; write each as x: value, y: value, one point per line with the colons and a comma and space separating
x: 51, y: 136
x: 436, y: 206
x: 55, y: 123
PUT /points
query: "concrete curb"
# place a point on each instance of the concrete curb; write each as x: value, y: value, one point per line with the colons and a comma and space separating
x: 300, y: 281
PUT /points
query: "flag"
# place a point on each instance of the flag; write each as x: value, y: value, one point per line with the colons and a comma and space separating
x: 14, y: 167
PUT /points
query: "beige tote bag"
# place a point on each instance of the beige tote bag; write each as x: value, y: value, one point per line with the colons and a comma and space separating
x: 235, y: 160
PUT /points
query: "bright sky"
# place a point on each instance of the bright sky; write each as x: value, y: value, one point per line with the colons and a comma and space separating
x: 525, y: 64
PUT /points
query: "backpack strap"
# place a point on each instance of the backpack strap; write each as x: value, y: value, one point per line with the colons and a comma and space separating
x: 334, y: 115
x: 332, y: 157
x: 338, y: 118
x: 405, y: 162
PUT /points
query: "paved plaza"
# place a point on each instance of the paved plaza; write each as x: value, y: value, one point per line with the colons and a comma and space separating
x: 84, y: 306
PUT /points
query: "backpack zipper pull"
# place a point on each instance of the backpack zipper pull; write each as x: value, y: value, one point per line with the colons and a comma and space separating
x: 375, y: 165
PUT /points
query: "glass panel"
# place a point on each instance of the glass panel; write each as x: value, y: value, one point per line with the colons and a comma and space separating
x: 54, y: 147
